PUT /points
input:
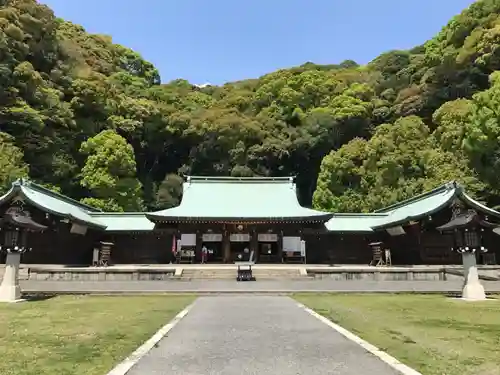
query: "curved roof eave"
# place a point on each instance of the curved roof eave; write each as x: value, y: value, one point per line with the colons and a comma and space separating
x: 14, y: 189
x: 66, y: 215
x: 340, y: 222
x: 478, y: 206
x: 320, y: 217
x: 437, y: 208
x: 458, y: 192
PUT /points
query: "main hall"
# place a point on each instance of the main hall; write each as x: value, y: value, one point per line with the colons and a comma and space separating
x: 230, y: 219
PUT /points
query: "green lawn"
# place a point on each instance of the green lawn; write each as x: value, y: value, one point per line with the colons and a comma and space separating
x: 433, y: 334
x: 79, y: 334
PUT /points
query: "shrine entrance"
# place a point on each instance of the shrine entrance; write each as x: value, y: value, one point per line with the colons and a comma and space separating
x: 240, y: 247
x: 213, y: 243
x: 269, y: 248
x: 250, y: 215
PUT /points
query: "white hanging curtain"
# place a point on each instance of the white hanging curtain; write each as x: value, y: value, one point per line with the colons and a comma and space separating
x: 212, y: 237
x: 188, y: 239
x: 268, y: 237
x: 303, y: 248
x: 291, y: 243
x: 239, y: 237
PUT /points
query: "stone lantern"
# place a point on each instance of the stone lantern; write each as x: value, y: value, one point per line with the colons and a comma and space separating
x: 15, y: 224
x: 467, y: 229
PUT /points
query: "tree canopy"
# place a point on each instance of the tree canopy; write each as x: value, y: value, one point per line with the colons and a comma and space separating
x: 93, y: 119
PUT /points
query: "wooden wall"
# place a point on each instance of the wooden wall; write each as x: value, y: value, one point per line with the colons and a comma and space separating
x: 336, y: 248
x: 145, y: 248
x: 422, y: 244
x: 59, y: 246
x: 56, y: 245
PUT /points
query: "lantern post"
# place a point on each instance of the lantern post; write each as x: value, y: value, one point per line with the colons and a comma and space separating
x: 467, y: 229
x: 16, y: 223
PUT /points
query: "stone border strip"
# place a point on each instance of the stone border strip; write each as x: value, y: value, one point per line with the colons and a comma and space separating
x: 131, y: 292
x: 391, y: 361
x: 126, y: 365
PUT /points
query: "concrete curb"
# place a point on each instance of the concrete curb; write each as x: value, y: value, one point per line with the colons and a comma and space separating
x: 236, y: 291
x: 391, y: 361
x: 126, y: 365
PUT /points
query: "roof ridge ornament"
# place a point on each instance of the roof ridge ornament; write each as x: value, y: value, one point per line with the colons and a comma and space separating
x: 18, y: 182
x: 240, y: 179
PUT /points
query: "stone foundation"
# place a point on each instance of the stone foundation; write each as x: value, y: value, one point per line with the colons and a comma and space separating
x: 280, y: 271
x: 380, y: 275
x: 99, y: 274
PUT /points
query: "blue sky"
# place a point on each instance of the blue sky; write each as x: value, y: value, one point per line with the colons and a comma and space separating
x: 226, y: 40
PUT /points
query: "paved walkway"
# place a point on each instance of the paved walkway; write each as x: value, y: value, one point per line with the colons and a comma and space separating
x: 230, y: 286
x: 256, y: 335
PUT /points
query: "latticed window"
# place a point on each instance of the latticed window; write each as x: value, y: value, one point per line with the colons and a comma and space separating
x: 11, y: 238
x: 472, y: 239
x: 459, y: 240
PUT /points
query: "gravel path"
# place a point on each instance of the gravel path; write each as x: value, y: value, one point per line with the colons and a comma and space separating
x: 243, y: 335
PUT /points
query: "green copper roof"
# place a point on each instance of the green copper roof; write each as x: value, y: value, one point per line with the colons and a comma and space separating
x: 53, y: 203
x: 427, y: 204
x: 233, y: 199
x: 360, y: 223
x: 124, y: 221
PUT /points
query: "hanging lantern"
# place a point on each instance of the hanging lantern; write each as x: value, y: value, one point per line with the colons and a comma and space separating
x: 17, y: 223
x: 467, y: 228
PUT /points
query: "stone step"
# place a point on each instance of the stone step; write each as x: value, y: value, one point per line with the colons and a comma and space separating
x: 208, y: 272
x: 230, y: 273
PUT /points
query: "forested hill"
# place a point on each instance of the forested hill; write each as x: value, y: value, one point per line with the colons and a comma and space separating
x: 91, y: 119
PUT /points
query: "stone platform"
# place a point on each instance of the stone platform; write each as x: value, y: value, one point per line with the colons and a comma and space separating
x: 211, y: 287
x: 186, y: 272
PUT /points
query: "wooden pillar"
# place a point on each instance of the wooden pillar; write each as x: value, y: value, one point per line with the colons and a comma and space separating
x: 254, y: 244
x: 302, y: 238
x: 280, y: 246
x: 199, y: 240
x: 421, y: 250
x: 226, y: 245
x: 177, y: 235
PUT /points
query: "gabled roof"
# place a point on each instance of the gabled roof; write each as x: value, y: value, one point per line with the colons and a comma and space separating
x: 427, y: 204
x: 234, y: 199
x: 124, y: 221
x: 464, y: 220
x: 357, y: 223
x: 243, y: 199
x: 52, y: 202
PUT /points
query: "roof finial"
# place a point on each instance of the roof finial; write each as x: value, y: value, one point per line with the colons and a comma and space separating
x: 17, y: 182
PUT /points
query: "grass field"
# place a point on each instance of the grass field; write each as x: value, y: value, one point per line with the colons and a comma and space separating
x: 433, y: 334
x: 79, y: 335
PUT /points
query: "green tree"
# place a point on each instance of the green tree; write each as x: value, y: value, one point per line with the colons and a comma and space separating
x: 401, y: 160
x: 12, y: 165
x: 169, y: 192
x: 109, y: 173
x: 451, y: 120
x: 61, y: 86
x: 482, y: 134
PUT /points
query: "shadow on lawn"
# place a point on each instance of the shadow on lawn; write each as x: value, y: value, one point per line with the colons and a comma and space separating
x: 35, y: 297
x: 495, y: 296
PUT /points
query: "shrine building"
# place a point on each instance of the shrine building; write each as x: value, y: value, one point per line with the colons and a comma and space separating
x: 237, y: 219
